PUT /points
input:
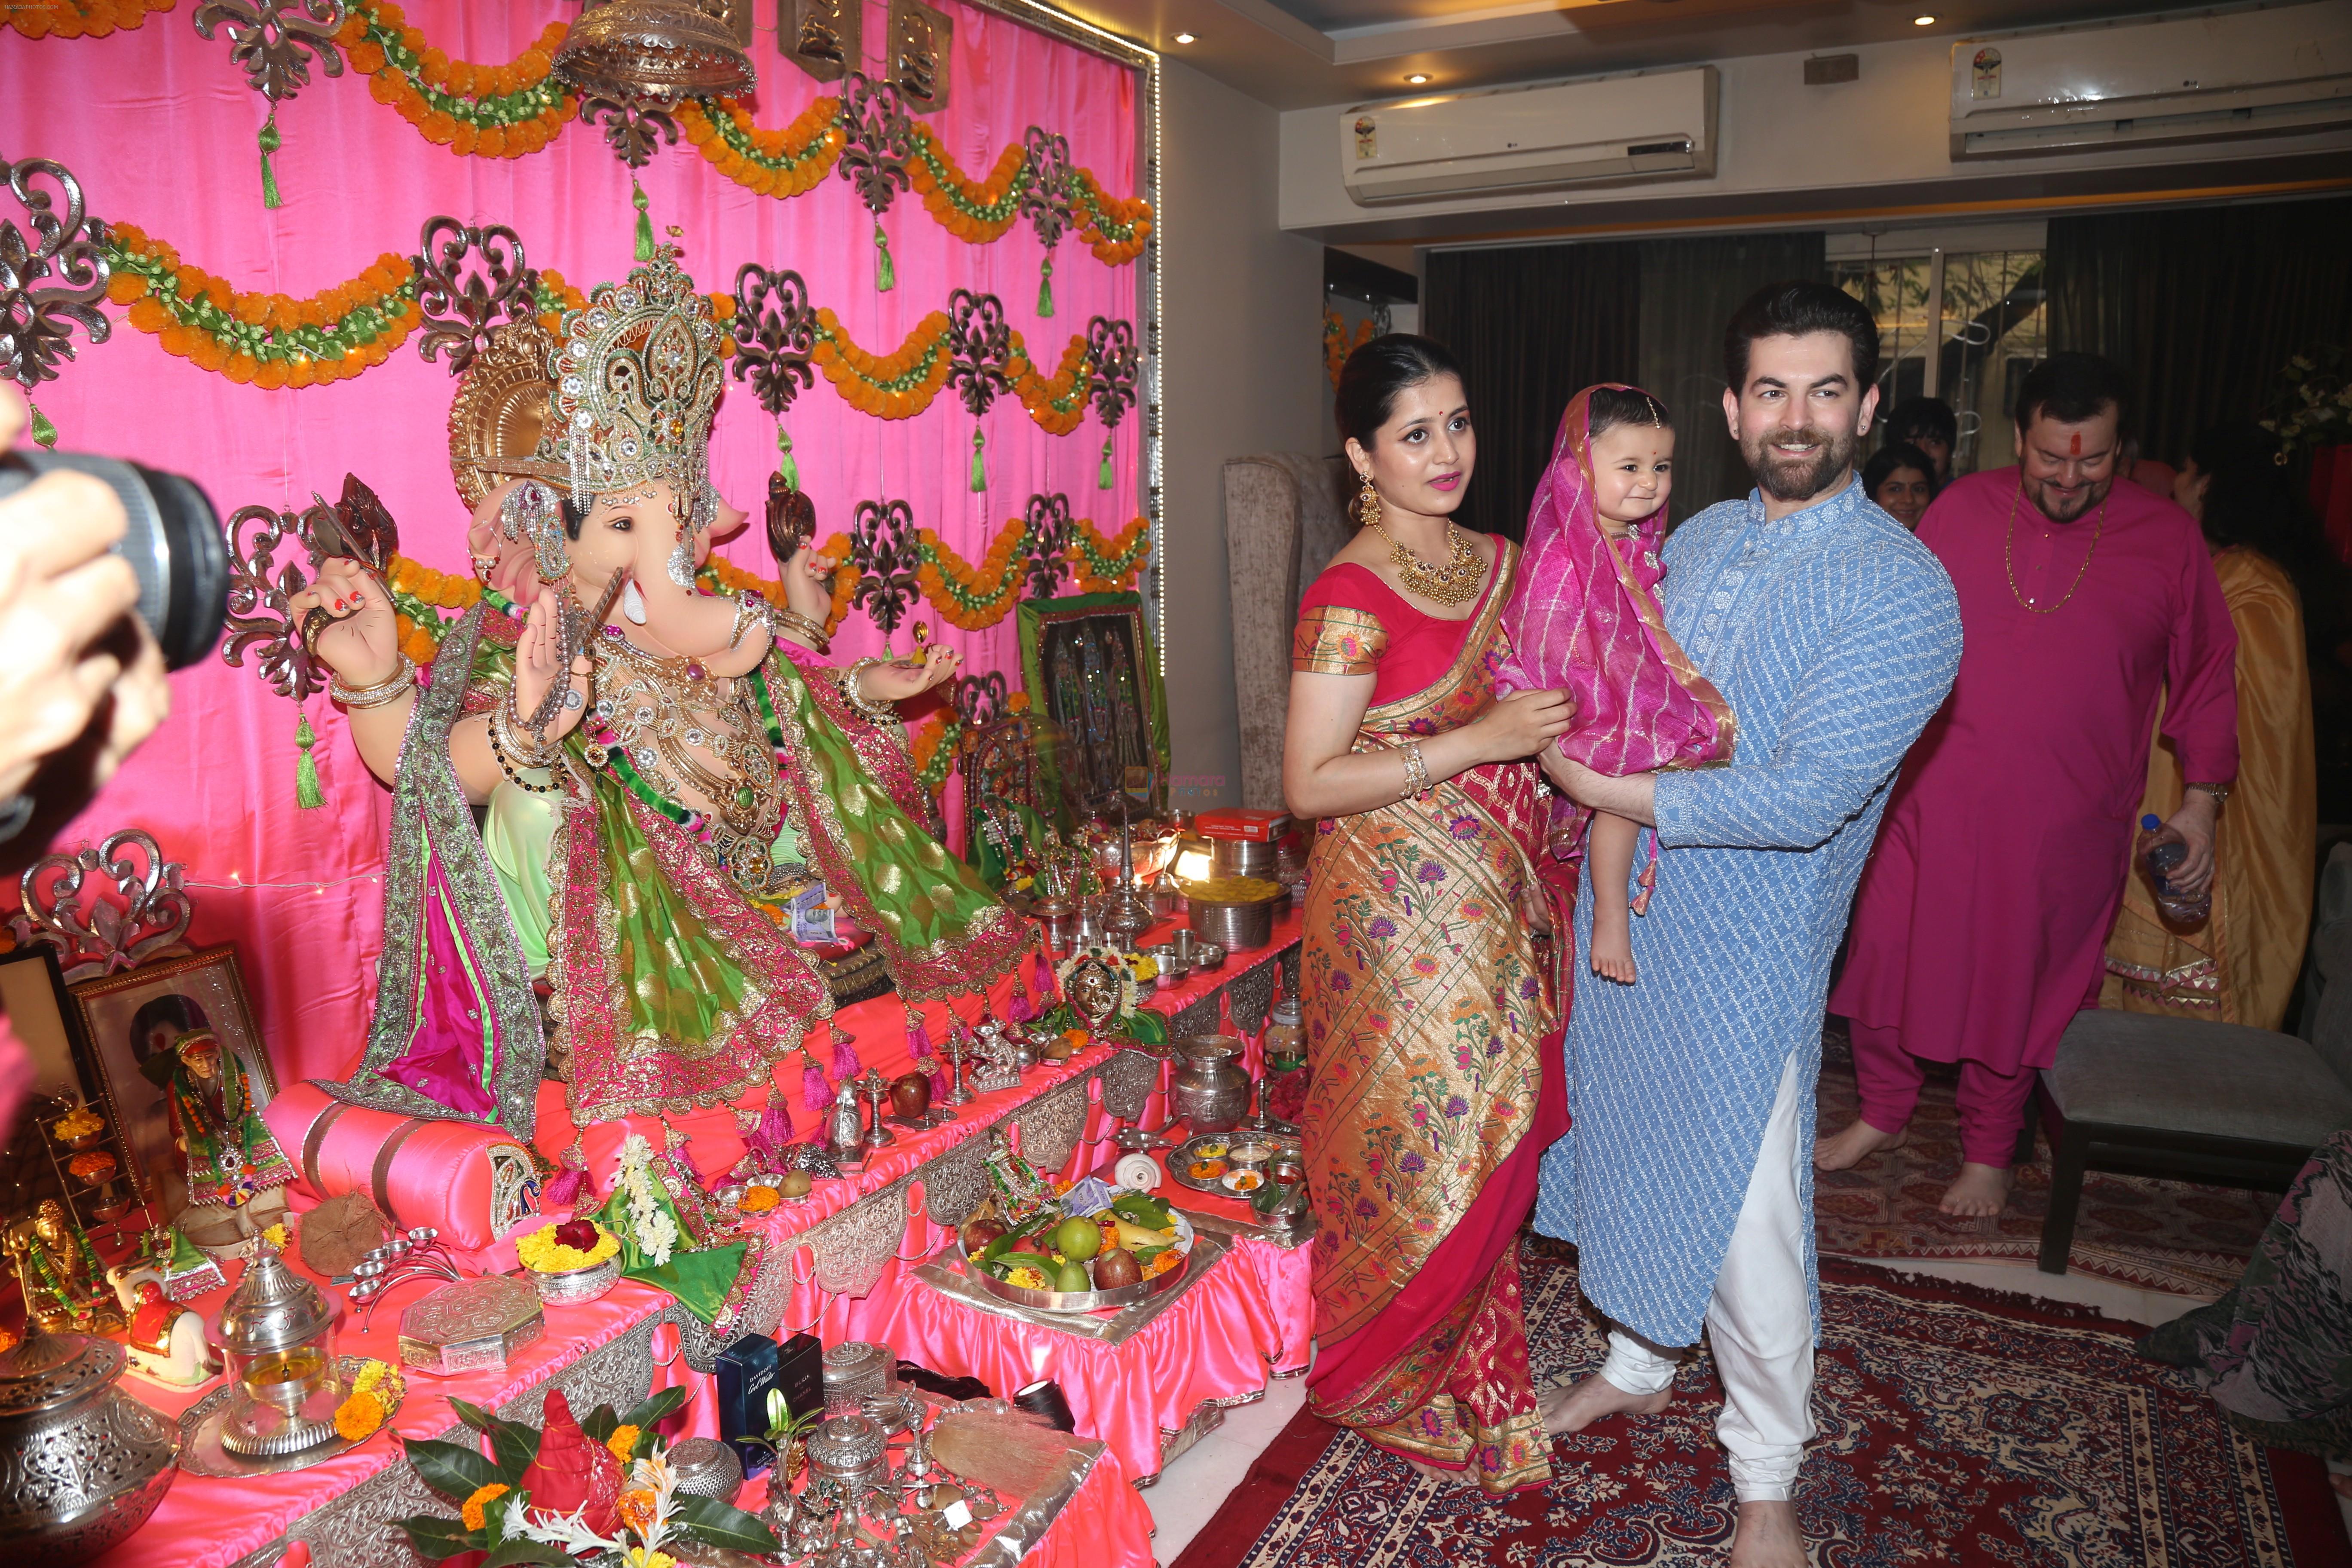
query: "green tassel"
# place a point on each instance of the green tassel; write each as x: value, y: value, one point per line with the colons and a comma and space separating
x: 886, y: 273
x: 1046, y: 288
x: 45, y: 434
x: 1105, y: 480
x: 645, y: 222
x: 306, y: 771
x: 786, y: 468
x: 271, y: 142
x: 979, y: 461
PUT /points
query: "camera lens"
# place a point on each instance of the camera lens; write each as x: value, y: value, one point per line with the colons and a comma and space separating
x: 175, y: 545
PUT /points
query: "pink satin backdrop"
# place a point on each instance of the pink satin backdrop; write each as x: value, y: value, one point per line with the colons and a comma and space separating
x: 158, y: 126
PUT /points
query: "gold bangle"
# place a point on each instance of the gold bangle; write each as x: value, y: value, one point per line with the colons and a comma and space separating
x: 807, y: 629
x: 880, y: 712
x: 380, y: 695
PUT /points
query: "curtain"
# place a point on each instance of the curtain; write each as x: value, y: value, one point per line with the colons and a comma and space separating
x: 1532, y: 326
x: 2201, y: 305
x: 1689, y: 290
x: 159, y: 127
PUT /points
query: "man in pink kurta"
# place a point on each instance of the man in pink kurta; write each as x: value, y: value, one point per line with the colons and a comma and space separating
x: 1980, y: 926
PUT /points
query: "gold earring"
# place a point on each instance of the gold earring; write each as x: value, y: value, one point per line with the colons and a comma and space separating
x: 1368, y: 504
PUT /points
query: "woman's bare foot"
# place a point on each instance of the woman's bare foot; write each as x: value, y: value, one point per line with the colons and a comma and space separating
x: 1612, y: 944
x: 1858, y: 1143
x: 2343, y: 1485
x: 1981, y: 1190
x: 1579, y: 1406
x: 1456, y: 1480
x: 1768, y: 1537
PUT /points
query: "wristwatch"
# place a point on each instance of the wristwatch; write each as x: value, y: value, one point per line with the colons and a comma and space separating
x: 2220, y: 792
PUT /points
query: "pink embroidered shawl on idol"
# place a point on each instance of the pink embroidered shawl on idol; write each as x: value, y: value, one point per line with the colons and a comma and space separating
x: 1584, y: 618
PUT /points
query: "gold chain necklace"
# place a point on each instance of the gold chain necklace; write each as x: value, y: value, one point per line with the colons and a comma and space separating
x: 2007, y: 544
x: 1456, y: 583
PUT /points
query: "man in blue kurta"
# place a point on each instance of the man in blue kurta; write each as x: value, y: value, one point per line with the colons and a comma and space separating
x: 1686, y: 1180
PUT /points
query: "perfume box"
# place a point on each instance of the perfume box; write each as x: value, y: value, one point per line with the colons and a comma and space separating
x: 746, y: 1370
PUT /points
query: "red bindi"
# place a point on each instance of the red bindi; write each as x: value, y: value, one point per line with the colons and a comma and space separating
x: 2075, y: 445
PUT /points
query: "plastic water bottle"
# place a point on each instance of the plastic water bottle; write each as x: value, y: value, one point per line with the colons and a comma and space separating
x: 2162, y: 848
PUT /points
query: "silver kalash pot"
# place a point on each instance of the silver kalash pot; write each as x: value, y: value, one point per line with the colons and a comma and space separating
x: 82, y: 1464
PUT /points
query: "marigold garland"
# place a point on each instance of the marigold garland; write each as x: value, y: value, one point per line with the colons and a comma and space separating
x: 481, y: 110
x: 975, y: 211
x: 78, y: 18
x: 972, y: 598
x: 1116, y: 229
x: 269, y: 340
x: 781, y: 163
x: 1336, y: 347
x: 1109, y: 565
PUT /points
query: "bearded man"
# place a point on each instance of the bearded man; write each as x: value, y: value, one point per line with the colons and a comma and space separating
x: 1833, y: 634
x: 1982, y: 925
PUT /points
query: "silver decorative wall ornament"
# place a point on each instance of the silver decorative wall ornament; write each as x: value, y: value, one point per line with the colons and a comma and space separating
x: 261, y: 587
x: 825, y: 37
x: 922, y: 41
x: 50, y: 286
x: 140, y: 910
x: 273, y: 42
x: 634, y: 60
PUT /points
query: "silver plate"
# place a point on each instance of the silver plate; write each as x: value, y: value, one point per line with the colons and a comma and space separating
x: 1179, y: 1163
x: 201, y: 1453
x: 1087, y: 1301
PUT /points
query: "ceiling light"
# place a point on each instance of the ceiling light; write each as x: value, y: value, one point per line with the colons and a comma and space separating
x: 1418, y: 78
x: 1186, y: 38
x: 1923, y: 21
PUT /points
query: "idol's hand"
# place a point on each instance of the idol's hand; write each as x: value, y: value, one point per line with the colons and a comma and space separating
x: 354, y: 631
x: 906, y: 678
x: 808, y: 582
x: 538, y: 660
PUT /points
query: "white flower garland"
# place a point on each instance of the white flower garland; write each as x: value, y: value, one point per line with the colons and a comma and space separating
x: 656, y: 1232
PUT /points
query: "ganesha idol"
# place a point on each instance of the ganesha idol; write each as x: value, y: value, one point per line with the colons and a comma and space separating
x: 662, y: 804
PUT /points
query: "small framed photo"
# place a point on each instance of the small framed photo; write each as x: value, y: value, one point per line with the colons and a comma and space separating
x: 130, y: 1021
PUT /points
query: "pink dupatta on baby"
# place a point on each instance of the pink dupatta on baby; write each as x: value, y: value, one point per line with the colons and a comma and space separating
x: 1584, y: 618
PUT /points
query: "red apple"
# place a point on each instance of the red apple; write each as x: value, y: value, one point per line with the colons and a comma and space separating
x: 1027, y: 1244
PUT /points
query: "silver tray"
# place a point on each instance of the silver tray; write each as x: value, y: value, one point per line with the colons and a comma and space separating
x: 1085, y: 1300
x: 201, y: 1453
x: 1180, y: 1163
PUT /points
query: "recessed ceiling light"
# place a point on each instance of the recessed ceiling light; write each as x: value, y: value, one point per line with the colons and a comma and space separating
x: 1923, y: 21
x: 1418, y: 78
x: 1186, y: 38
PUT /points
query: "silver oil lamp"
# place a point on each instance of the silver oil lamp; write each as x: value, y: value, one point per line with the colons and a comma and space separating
x: 278, y: 1335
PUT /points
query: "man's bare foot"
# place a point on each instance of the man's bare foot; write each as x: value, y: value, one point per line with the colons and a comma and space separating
x: 1612, y: 946
x: 1858, y: 1143
x: 1573, y: 1408
x: 1768, y: 1537
x: 1981, y: 1190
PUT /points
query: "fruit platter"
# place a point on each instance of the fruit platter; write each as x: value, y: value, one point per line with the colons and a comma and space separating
x: 1130, y: 1248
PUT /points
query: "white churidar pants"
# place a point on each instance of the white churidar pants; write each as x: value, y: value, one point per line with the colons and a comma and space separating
x: 1760, y: 1323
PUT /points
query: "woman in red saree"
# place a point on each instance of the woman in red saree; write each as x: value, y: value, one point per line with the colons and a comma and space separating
x: 1429, y: 1000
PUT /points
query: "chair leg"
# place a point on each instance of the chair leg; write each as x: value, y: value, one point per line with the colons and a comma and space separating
x: 2023, y: 1154
x: 2069, y: 1152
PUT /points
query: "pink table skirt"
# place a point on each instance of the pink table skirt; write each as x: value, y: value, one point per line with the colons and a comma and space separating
x: 1218, y: 1342
x: 204, y: 1522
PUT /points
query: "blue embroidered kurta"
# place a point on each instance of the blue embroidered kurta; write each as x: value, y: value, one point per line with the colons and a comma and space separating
x: 1834, y: 636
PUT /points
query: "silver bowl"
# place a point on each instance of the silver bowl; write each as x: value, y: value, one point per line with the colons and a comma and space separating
x: 1208, y: 957
x: 1174, y: 964
x: 1085, y: 1300
x: 577, y: 1287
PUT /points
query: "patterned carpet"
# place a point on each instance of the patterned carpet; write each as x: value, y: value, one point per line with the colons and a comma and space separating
x: 1957, y: 1427
x: 2177, y: 1236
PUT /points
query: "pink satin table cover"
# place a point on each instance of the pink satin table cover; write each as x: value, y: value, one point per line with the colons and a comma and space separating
x: 1217, y: 1343
x: 204, y: 1522
x: 438, y: 1174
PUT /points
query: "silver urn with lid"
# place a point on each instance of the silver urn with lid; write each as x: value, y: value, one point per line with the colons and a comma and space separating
x: 278, y: 1335
x: 82, y: 1464
x: 1212, y: 1091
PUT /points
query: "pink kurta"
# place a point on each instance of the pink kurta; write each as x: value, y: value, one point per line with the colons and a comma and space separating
x: 1978, y: 928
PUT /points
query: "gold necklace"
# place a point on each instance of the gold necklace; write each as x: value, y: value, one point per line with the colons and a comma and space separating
x: 1456, y: 583
x: 2008, y: 540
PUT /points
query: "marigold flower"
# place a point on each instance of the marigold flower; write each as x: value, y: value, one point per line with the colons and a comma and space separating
x: 636, y: 1507
x: 358, y: 1417
x: 471, y: 1514
x: 623, y: 1442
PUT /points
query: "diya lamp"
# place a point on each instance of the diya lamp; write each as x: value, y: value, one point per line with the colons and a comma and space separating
x: 958, y: 1050
x: 875, y: 1089
x: 277, y: 1336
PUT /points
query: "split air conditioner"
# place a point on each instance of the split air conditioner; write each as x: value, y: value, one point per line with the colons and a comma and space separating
x: 1649, y: 125
x: 2279, y: 71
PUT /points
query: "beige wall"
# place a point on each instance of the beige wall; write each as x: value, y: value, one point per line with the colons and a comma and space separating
x: 1241, y: 361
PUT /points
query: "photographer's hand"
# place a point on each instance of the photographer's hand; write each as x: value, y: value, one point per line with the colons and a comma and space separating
x: 78, y: 658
